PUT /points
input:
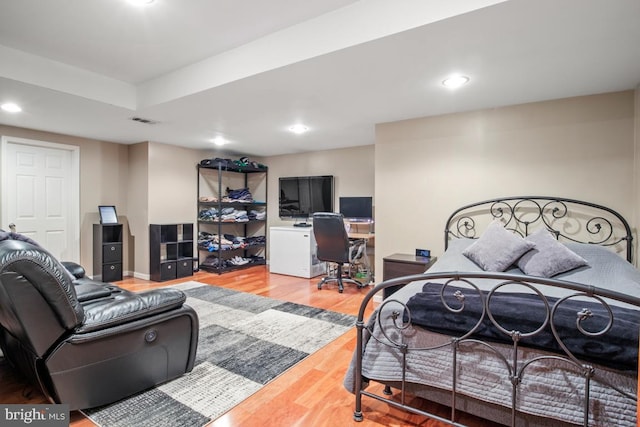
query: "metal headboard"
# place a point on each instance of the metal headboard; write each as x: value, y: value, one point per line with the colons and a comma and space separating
x: 568, y: 219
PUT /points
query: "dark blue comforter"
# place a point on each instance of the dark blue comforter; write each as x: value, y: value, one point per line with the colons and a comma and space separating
x: 617, y: 348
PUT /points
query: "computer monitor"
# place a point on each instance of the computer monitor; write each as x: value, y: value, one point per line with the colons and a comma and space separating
x: 357, y: 208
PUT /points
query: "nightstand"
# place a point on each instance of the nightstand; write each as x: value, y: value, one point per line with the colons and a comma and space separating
x: 398, y: 265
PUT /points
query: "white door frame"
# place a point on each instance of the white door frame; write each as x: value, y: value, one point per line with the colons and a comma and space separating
x: 74, y: 226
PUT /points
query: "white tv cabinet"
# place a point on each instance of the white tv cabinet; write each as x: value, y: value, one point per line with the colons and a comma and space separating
x: 292, y: 251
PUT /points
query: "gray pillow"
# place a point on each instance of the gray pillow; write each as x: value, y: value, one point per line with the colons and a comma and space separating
x: 497, y: 249
x: 549, y: 257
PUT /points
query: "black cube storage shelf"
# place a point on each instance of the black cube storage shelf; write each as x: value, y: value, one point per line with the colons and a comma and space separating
x: 170, y: 251
x: 107, y: 252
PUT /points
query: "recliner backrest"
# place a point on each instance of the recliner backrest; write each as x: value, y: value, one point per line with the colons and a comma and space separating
x: 38, y: 303
x: 331, y: 237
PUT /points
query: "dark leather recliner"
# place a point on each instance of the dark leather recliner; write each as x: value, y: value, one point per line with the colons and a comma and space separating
x: 86, y: 343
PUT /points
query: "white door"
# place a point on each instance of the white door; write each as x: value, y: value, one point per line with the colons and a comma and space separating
x: 40, y: 194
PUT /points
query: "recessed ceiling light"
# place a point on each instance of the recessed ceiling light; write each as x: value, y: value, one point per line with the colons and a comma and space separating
x: 10, y: 107
x: 455, y: 81
x: 299, y: 128
x: 218, y: 140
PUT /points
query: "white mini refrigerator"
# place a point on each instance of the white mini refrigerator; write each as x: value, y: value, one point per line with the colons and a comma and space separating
x: 292, y: 251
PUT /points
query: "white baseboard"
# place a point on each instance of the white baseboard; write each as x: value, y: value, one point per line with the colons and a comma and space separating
x: 140, y: 275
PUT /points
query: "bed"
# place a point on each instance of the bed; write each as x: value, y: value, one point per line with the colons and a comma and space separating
x: 540, y: 333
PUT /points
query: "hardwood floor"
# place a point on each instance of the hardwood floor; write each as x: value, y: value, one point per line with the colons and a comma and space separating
x: 309, y: 394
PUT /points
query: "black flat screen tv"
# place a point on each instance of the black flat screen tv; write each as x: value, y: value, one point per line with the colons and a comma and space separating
x: 357, y: 208
x: 302, y: 196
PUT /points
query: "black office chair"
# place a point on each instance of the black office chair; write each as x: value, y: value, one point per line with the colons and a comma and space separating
x: 333, y: 245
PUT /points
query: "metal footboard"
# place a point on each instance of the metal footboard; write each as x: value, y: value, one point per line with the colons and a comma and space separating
x: 391, y: 327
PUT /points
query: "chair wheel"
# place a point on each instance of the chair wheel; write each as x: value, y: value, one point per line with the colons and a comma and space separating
x: 340, y: 290
x: 319, y: 286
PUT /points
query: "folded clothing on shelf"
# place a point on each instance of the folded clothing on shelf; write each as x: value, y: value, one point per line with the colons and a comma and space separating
x: 213, y: 242
x: 230, y: 215
x: 206, y: 199
x: 239, y: 195
x: 257, y: 214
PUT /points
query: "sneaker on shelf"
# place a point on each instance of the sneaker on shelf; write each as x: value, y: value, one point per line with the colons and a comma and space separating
x: 236, y: 260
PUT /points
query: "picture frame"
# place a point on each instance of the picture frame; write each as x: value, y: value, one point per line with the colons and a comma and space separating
x: 108, y: 214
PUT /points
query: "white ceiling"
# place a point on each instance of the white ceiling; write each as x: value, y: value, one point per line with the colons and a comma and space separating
x: 248, y: 69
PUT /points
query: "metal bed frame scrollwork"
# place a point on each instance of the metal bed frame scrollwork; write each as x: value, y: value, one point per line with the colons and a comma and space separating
x: 521, y: 215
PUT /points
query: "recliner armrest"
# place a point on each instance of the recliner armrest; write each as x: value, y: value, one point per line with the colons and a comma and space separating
x: 74, y: 268
x: 127, y: 306
x: 88, y: 290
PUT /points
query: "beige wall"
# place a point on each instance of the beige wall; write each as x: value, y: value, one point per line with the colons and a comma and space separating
x: 104, y: 179
x: 147, y: 182
x: 163, y: 184
x: 585, y: 147
x: 352, y: 168
x: 138, y: 200
x: 580, y: 147
x: 171, y: 194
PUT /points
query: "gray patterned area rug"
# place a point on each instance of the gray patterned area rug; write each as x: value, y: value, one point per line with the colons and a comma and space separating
x: 245, y: 341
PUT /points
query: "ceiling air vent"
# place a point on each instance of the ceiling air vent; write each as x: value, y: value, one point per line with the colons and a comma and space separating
x: 143, y: 120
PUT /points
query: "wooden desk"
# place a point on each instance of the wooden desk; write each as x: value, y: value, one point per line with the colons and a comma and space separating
x: 367, y: 223
x: 359, y: 228
x: 353, y: 230
x: 366, y: 236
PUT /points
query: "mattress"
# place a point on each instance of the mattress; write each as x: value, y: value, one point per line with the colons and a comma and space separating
x: 550, y: 389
